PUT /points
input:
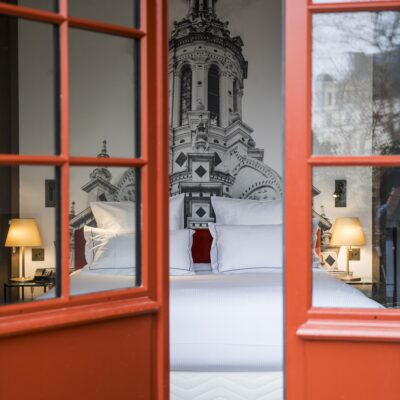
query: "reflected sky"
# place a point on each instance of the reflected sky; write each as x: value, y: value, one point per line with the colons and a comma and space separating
x: 337, y: 35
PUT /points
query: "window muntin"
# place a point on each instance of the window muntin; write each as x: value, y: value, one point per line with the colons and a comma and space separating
x: 356, y: 86
x: 214, y: 94
x: 186, y: 94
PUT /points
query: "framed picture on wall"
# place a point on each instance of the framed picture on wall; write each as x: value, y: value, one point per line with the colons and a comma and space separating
x: 329, y: 260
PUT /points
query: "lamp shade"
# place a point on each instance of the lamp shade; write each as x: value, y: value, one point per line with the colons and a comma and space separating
x: 347, y: 232
x: 23, y: 232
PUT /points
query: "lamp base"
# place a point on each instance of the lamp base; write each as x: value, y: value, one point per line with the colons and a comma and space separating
x: 21, y: 279
x: 349, y: 278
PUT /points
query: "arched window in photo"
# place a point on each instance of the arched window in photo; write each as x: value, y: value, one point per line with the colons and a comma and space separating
x: 186, y: 93
x: 235, y: 95
x: 213, y: 94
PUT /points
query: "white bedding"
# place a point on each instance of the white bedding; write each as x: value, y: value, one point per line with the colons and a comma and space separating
x: 235, y: 322
x: 227, y: 322
x: 85, y: 281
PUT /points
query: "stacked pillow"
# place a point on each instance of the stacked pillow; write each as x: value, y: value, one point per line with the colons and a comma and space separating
x: 110, y: 251
x: 111, y: 247
x: 248, y: 235
x: 247, y: 212
x: 121, y: 214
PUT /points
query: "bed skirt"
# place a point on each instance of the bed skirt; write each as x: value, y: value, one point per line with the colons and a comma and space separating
x: 226, y: 385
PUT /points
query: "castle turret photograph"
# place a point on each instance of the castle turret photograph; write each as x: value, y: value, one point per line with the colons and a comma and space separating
x: 213, y: 151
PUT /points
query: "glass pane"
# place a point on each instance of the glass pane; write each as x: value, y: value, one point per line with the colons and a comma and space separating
x: 356, y: 249
x: 356, y: 84
x: 29, y: 240
x: 102, y: 92
x: 29, y: 111
x: 46, y: 5
x: 121, y: 12
x: 103, y: 226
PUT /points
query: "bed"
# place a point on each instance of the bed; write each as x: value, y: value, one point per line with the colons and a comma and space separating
x: 226, y: 325
x: 221, y: 345
x: 226, y: 331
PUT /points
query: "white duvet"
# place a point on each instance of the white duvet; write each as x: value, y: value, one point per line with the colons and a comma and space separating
x: 235, y: 322
x: 221, y: 322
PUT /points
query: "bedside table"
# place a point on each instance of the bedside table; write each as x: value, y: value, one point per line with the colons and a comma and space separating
x: 23, y: 285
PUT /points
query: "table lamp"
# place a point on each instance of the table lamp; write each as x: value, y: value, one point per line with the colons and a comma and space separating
x: 348, y: 232
x: 23, y: 232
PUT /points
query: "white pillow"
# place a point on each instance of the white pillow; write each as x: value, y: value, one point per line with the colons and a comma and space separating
x: 113, y: 252
x: 114, y: 215
x: 246, y: 212
x: 180, y: 252
x: 121, y: 215
x: 246, y: 248
x: 176, y: 212
x: 110, y: 251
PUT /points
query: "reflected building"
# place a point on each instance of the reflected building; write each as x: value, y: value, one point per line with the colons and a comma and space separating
x: 343, y: 109
x: 358, y: 113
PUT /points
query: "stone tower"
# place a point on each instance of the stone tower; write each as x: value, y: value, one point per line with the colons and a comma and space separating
x: 212, y: 152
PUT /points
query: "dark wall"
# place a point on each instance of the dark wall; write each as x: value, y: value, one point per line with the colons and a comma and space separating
x: 9, y: 177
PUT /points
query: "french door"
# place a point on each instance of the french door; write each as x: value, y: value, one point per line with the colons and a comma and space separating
x: 341, y: 121
x: 112, y: 343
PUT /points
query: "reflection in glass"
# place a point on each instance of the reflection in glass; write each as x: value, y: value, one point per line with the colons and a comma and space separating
x: 121, y: 12
x: 357, y: 246
x: 103, y: 228
x: 46, y: 5
x: 29, y: 110
x: 356, y: 85
x: 29, y: 253
x: 102, y: 92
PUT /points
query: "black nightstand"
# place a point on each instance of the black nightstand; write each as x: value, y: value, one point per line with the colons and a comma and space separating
x: 23, y: 285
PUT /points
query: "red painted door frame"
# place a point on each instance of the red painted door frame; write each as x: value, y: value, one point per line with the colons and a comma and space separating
x: 133, y: 322
x: 330, y: 353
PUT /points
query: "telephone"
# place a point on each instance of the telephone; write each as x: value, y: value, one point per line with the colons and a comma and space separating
x: 44, y: 275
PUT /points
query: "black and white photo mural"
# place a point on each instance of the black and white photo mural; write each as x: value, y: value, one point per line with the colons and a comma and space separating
x: 225, y: 113
x: 213, y: 147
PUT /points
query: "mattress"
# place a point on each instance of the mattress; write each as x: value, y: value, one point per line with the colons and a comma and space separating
x: 226, y: 385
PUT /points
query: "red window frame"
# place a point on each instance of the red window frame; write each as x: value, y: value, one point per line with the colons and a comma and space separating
x: 152, y: 296
x: 304, y: 322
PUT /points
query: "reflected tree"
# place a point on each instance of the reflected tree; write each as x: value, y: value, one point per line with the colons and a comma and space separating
x: 358, y: 108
